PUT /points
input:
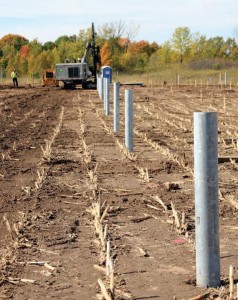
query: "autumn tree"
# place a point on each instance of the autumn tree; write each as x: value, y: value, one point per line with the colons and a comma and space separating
x: 117, y: 50
x: 10, y: 46
x: 137, y: 55
x: 15, y: 40
x: 24, y: 51
x: 114, y: 33
x: 106, y: 55
x: 124, y: 43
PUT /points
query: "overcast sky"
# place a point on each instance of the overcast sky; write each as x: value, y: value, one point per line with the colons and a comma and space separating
x: 46, y: 20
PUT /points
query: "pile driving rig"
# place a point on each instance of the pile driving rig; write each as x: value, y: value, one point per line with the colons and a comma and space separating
x: 73, y: 73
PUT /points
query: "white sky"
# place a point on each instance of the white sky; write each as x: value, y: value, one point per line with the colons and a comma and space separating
x: 46, y: 20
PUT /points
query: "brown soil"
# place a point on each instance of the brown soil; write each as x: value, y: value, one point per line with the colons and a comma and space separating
x: 59, y: 156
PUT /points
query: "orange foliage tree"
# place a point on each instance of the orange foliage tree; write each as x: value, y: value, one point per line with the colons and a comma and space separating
x: 140, y: 47
x: 13, y: 40
x: 24, y: 52
x: 106, y: 59
x: 124, y: 43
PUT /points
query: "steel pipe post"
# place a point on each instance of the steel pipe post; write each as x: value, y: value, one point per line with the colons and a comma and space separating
x: 106, y: 96
x: 116, y: 89
x: 97, y: 84
x: 107, y: 103
x: 129, y: 120
x: 100, y: 87
x: 206, y: 199
x: 104, y: 93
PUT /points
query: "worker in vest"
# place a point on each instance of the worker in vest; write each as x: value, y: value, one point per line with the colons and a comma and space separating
x: 14, y: 78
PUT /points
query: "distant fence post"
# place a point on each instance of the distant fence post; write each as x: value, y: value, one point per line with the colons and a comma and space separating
x: 129, y: 120
x: 116, y: 89
x: 206, y: 199
x: 225, y: 79
x: 220, y: 79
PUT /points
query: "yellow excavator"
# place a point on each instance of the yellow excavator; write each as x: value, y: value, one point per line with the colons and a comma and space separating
x: 49, y: 78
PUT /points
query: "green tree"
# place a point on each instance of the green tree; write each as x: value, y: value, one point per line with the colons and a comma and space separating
x: 56, y: 57
x: 4, y: 63
x: 230, y: 49
x: 35, y: 47
x: 23, y: 66
x: 181, y: 40
x: 49, y: 46
x: 198, y: 47
x: 165, y: 53
x: 65, y: 38
x: 214, y: 47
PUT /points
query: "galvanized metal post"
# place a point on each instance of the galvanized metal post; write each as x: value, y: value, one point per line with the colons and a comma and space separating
x: 97, y: 84
x: 116, y: 88
x: 107, y: 96
x: 129, y: 120
x: 104, y: 92
x: 206, y: 199
x: 100, y: 87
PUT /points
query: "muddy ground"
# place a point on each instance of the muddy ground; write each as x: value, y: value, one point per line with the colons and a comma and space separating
x: 60, y: 158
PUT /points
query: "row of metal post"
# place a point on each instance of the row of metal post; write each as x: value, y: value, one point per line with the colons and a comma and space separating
x: 103, y: 86
x: 205, y: 175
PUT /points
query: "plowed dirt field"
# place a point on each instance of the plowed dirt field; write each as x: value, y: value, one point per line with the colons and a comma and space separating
x: 60, y: 158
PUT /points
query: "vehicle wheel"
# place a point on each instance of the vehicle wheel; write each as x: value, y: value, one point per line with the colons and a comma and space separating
x: 69, y: 86
x: 89, y: 85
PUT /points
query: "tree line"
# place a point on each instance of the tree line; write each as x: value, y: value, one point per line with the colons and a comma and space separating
x: 119, y: 50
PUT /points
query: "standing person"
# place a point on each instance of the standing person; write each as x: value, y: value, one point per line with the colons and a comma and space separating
x: 14, y: 78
